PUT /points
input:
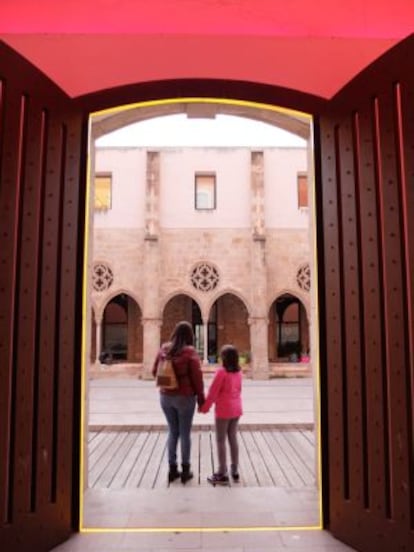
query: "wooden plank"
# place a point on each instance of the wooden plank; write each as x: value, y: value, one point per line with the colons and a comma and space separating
x: 48, y: 331
x: 161, y: 480
x: 208, y: 460
x: 373, y: 305
x: 303, y: 447
x: 248, y: 476
x: 27, y: 358
x: 132, y: 456
x: 395, y: 362
x: 154, y: 465
x: 106, y: 439
x: 137, y: 472
x: 263, y: 475
x: 302, y: 469
x: 277, y: 474
x: 108, y: 474
x: 93, y: 445
x: 70, y: 274
x: 9, y: 219
x: 195, y: 455
x: 306, y: 459
x: 332, y: 347
x: 309, y: 435
x: 352, y: 308
x: 23, y: 368
x: 105, y: 458
x: 92, y: 435
x: 294, y: 480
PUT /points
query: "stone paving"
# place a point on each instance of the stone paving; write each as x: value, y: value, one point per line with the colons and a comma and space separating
x: 282, y: 401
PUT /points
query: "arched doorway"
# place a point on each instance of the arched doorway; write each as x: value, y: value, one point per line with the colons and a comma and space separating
x: 183, y: 307
x: 225, y: 316
x: 228, y: 323
x: 288, y: 330
x: 121, y: 331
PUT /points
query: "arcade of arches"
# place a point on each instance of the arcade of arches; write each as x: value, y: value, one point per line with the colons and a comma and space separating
x: 118, y: 336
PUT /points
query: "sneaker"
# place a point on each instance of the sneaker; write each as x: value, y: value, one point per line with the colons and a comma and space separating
x: 218, y: 479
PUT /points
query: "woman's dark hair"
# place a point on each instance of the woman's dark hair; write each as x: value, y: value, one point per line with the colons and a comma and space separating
x: 230, y: 357
x: 181, y: 337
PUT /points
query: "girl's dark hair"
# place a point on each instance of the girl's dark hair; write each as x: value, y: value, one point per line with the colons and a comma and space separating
x: 181, y: 337
x: 230, y: 357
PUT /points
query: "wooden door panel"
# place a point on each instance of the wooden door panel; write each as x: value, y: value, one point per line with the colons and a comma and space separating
x: 41, y: 229
x: 367, y: 183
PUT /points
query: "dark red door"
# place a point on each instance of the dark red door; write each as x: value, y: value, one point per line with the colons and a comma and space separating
x: 365, y: 205
x: 40, y: 286
x: 365, y: 195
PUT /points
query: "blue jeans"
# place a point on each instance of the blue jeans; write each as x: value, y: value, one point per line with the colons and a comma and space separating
x: 179, y: 412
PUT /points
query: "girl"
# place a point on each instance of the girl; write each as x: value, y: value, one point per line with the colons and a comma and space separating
x: 225, y: 392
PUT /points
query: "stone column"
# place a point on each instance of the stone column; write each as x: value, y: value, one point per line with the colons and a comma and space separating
x: 152, y: 335
x: 259, y: 361
x: 98, y: 323
x: 152, y: 194
x: 151, y: 266
x: 258, y: 317
x: 205, y: 342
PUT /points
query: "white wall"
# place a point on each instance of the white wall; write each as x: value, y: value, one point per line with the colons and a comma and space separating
x: 281, y: 166
x: 128, y: 168
x: 178, y: 167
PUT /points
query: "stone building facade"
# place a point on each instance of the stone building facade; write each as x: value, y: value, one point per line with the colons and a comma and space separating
x: 217, y: 236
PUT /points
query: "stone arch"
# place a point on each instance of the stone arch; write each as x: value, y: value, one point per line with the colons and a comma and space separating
x: 122, y: 335
x: 183, y: 90
x: 288, y: 329
x: 228, y: 322
x: 108, y: 297
x: 231, y: 291
x: 182, y: 306
x: 108, y: 122
x: 305, y: 299
x: 181, y: 291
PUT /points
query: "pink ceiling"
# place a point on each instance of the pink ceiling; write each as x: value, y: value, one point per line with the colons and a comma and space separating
x: 313, y: 46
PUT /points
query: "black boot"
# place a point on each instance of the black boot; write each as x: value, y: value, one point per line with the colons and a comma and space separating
x: 173, y: 474
x: 186, y: 474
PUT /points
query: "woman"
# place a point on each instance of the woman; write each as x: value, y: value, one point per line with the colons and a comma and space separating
x: 179, y: 404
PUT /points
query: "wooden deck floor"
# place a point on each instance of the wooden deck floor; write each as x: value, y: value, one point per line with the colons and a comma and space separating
x: 134, y: 458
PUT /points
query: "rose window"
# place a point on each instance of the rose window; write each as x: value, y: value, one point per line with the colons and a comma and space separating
x: 205, y: 277
x: 102, y: 277
x: 303, y: 277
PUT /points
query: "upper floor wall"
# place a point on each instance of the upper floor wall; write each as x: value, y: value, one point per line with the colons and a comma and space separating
x: 178, y: 167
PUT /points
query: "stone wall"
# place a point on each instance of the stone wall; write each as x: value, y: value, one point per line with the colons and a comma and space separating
x: 152, y: 263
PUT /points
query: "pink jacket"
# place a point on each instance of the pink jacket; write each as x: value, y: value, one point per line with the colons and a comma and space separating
x: 225, y: 392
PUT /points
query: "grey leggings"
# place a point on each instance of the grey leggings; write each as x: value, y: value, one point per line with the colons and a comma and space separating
x: 227, y: 428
